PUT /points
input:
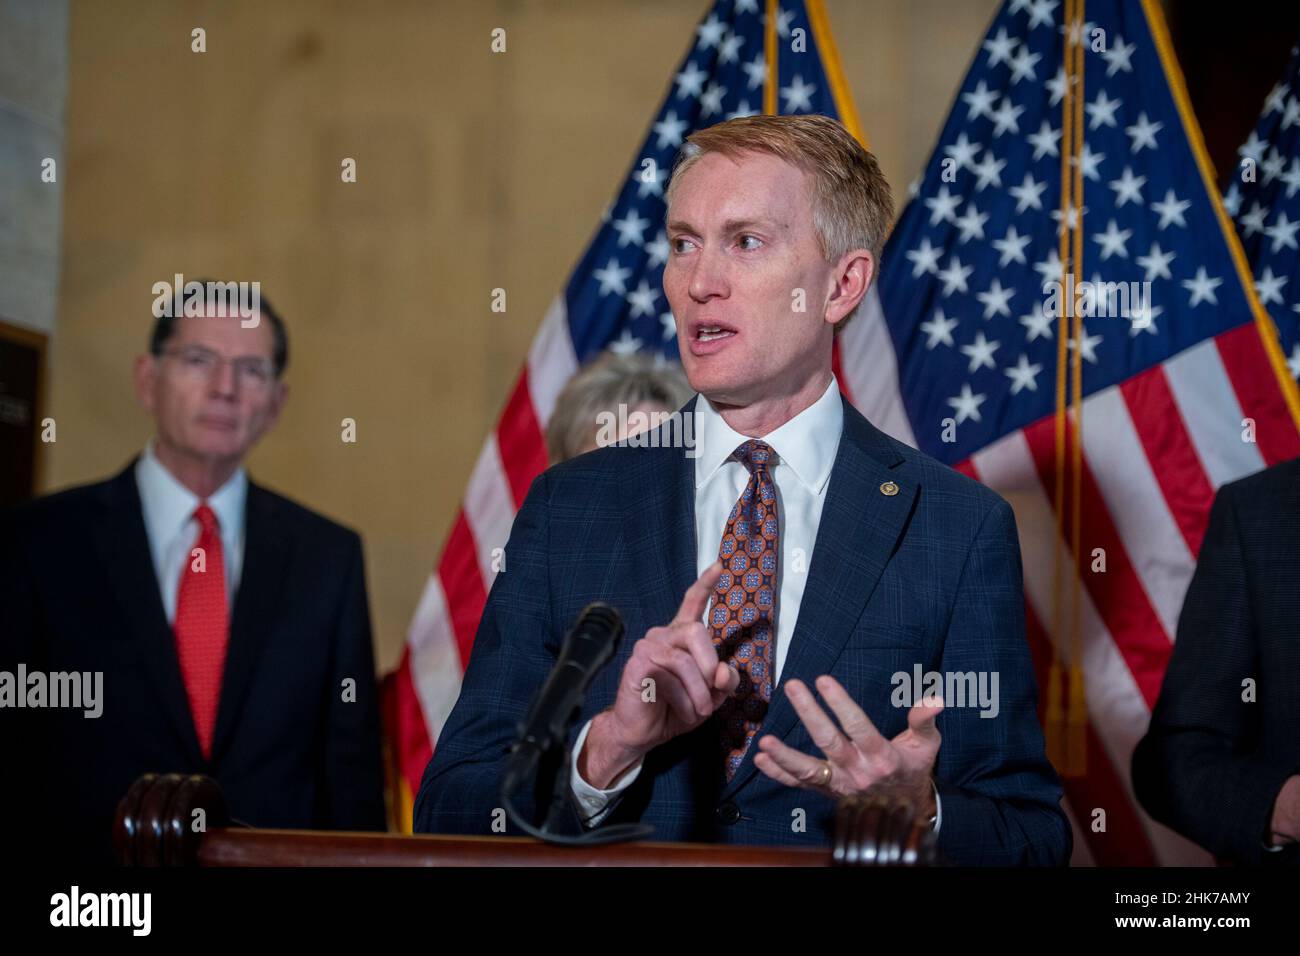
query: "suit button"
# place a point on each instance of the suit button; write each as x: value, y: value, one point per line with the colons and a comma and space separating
x: 728, y: 813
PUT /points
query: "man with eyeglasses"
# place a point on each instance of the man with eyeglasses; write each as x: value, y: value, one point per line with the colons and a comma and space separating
x: 230, y: 624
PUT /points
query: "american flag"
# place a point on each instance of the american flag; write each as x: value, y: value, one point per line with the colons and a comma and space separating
x: 1166, y: 385
x: 1264, y: 199
x: 614, y: 300
x: 956, y: 342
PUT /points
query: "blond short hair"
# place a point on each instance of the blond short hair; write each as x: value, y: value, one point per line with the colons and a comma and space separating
x: 852, y: 207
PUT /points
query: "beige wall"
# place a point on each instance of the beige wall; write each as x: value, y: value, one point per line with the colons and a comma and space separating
x: 475, y: 171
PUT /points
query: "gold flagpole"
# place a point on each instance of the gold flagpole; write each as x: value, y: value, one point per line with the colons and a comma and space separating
x: 770, y: 57
x: 1055, y: 718
x: 1076, y: 720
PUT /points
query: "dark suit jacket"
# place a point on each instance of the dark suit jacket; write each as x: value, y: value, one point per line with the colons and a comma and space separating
x: 79, y: 593
x: 929, y: 576
x: 1211, y: 763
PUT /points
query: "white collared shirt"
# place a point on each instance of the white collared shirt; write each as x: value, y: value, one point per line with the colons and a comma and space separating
x: 172, y: 529
x: 805, y: 447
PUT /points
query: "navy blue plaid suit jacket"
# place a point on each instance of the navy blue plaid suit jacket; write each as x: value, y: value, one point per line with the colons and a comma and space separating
x: 929, y: 576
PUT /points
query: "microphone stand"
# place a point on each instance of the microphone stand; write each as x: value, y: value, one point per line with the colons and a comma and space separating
x: 542, y: 753
x: 551, y: 791
x: 552, y: 786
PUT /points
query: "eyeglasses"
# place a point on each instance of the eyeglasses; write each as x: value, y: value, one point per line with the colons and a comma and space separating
x: 198, y: 364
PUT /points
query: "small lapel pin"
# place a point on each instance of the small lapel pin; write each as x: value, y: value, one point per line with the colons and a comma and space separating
x: 889, y: 489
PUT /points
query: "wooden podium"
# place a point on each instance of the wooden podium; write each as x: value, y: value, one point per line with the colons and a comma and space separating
x: 175, y: 820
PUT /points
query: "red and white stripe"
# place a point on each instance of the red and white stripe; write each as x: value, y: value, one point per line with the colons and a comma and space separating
x: 442, y: 631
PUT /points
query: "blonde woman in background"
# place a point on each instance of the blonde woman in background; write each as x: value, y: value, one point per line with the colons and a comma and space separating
x: 637, y: 382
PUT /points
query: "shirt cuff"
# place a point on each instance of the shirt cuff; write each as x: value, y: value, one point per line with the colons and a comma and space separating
x: 938, y: 807
x: 594, y: 803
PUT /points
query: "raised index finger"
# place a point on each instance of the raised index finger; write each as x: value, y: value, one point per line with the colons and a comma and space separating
x: 697, y: 595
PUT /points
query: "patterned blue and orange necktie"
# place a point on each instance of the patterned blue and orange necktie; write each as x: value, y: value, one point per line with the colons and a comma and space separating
x: 743, y: 616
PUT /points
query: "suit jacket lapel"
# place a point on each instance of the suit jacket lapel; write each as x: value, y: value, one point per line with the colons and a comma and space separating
x: 859, y: 529
x: 123, y: 547
x: 266, y: 556
x: 658, y: 494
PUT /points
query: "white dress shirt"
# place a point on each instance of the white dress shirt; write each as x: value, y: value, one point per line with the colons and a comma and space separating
x: 172, y: 529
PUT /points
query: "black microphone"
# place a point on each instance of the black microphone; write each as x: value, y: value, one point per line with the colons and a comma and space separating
x: 589, y: 646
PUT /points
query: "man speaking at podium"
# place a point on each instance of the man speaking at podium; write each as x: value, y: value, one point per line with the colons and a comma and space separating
x: 839, y: 561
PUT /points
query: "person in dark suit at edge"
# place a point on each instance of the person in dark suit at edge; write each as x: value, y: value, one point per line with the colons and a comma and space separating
x: 230, y: 624
x: 1220, y: 762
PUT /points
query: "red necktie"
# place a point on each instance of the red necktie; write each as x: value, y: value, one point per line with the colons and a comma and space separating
x: 744, y: 606
x: 203, y: 625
